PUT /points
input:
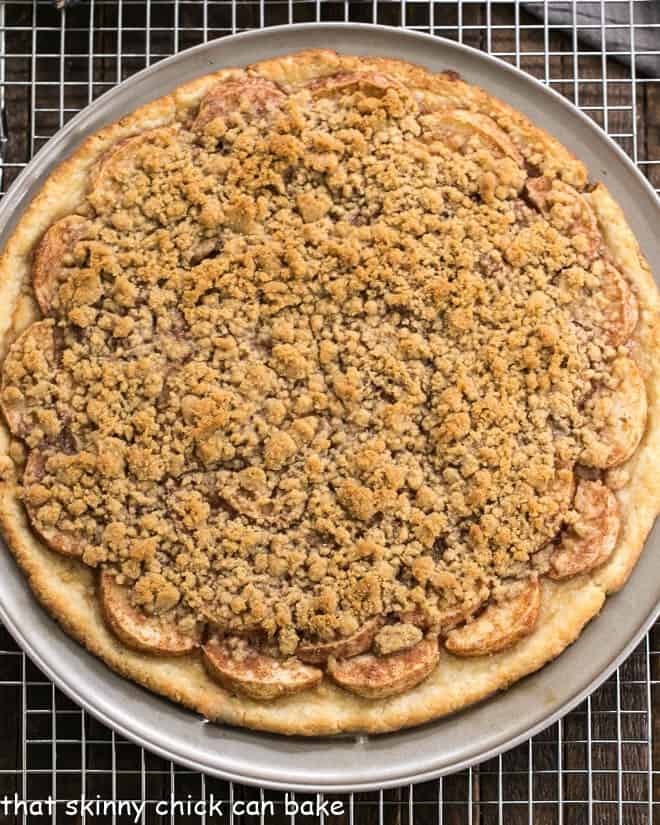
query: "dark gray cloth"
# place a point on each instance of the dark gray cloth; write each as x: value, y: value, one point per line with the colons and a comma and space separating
x: 646, y: 37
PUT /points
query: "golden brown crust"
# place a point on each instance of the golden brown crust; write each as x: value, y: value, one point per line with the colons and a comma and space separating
x: 66, y: 588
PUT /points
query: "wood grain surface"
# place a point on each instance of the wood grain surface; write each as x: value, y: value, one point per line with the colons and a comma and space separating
x: 596, y: 765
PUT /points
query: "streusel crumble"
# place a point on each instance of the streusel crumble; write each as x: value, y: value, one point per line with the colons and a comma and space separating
x: 314, y: 359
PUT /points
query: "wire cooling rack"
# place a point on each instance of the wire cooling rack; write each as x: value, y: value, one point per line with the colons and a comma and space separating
x: 601, y: 764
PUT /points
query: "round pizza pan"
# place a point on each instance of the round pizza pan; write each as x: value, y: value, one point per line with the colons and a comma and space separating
x: 346, y: 763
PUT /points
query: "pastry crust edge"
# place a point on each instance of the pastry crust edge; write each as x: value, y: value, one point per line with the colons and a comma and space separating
x: 68, y: 589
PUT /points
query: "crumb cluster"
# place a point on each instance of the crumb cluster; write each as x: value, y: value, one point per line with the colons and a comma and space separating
x: 313, y: 358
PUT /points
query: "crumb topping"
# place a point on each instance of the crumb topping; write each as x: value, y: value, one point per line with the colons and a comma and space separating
x: 315, y: 358
x: 395, y: 637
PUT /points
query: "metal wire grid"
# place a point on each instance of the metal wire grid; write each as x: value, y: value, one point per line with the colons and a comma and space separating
x: 601, y: 764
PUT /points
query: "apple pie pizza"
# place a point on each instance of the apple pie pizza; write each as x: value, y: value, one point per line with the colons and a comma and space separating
x: 331, y: 395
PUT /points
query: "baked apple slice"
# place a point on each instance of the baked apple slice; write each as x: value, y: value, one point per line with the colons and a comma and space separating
x: 249, y: 97
x: 416, y: 617
x: 610, y: 311
x: 452, y: 617
x: 447, y: 618
x: 124, y: 163
x: 620, y: 309
x: 43, y: 513
x: 590, y: 541
x: 242, y: 669
x: 462, y: 129
x: 376, y: 677
x: 621, y: 413
x: 562, y: 492
x: 152, y: 634
x: 501, y: 624
x: 374, y: 83
x: 566, y: 209
x: 28, y: 377
x: 55, y: 255
x: 316, y: 654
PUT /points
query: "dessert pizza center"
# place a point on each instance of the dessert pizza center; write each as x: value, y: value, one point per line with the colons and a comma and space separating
x: 314, y: 358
